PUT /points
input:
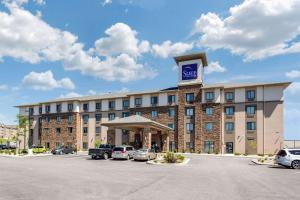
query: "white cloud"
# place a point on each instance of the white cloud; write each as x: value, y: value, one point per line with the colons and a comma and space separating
x: 46, y: 81
x: 106, y: 2
x: 92, y: 92
x: 3, y: 87
x: 40, y: 2
x: 69, y: 95
x: 28, y: 38
x: 293, y: 74
x: 167, y: 48
x: 214, y: 67
x: 255, y: 29
x: 121, y: 39
x: 294, y: 88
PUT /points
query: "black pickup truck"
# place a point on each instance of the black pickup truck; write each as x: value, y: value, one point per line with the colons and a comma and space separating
x: 104, y: 151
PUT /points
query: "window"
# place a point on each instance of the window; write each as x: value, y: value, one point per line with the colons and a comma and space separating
x: 70, y: 119
x: 40, y: 109
x: 58, y: 119
x: 98, y: 130
x: 171, y: 112
x: 85, y: 107
x: 58, y: 130
x: 47, y: 119
x: 209, y: 96
x: 189, y: 127
x: 209, y: 111
x: 70, y: 130
x: 40, y: 120
x: 125, y: 104
x: 154, y: 100
x: 189, y: 145
x: 85, y: 118
x: 251, y: 126
x: 111, y: 105
x: 189, y: 112
x: 46, y: 130
x: 125, y: 114
x: 70, y: 107
x: 85, y: 130
x: 229, y: 126
x: 48, y: 109
x: 250, y: 110
x: 138, y: 113
x: 229, y: 111
x: 189, y: 97
x: 98, y: 117
x: 138, y: 102
x: 154, y: 113
x: 171, y: 126
x: 229, y: 96
x: 58, y: 108
x: 30, y: 111
x: 85, y: 145
x: 171, y: 99
x: 58, y: 145
x: 209, y: 146
x: 209, y: 126
x: 98, y: 106
x: 295, y: 152
x: 111, y: 116
x: 229, y: 147
x: 47, y: 145
x: 250, y: 95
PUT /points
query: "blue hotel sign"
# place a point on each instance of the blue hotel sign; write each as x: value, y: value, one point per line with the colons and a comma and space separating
x: 189, y: 71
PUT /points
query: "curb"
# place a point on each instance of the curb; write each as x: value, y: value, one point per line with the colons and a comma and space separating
x: 185, y: 162
x: 259, y: 163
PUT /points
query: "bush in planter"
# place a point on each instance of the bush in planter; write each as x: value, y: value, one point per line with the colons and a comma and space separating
x: 170, y: 157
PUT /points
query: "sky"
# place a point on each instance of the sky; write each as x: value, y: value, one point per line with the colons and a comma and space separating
x: 59, y: 48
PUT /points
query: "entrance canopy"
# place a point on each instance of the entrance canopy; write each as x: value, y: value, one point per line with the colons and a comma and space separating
x: 136, y: 121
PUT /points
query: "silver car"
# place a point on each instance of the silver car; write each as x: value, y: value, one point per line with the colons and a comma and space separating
x: 123, y: 152
x: 288, y: 158
x: 144, y: 154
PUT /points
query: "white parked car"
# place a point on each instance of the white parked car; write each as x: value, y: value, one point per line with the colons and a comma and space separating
x: 288, y: 158
x: 123, y: 152
x: 144, y: 154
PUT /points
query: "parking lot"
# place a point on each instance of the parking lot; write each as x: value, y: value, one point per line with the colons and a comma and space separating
x: 205, y: 177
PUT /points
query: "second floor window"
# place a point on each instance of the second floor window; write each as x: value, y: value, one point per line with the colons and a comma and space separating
x: 138, y: 113
x: 98, y: 106
x: 229, y: 111
x: 126, y: 104
x: 111, y: 116
x: 251, y: 126
x: 154, y: 100
x: 171, y: 112
x: 98, y: 130
x: 138, y: 102
x: 48, y: 109
x: 58, y: 108
x: 70, y: 130
x: 250, y: 95
x: 229, y: 96
x: 85, y: 130
x: 189, y: 97
x: 171, y: 99
x: 70, y: 107
x: 189, y: 111
x: 85, y: 107
x: 98, y: 117
x: 209, y: 111
x: 154, y: 113
x: 47, y: 119
x: 209, y: 96
x: 125, y: 114
x: 58, y: 119
x: 229, y: 126
x: 250, y: 110
x: 189, y: 127
x: 209, y: 126
x: 85, y: 118
x: 70, y: 119
x: 111, y: 104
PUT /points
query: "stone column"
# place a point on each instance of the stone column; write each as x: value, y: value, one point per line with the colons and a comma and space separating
x: 166, y: 141
x: 147, y: 138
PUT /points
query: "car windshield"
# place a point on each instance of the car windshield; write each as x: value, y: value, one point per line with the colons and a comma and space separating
x: 295, y: 152
x: 103, y: 146
x: 118, y: 149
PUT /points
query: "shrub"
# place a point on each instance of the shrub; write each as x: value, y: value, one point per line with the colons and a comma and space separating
x: 260, y: 154
x: 180, y: 157
x: 171, y: 157
x: 237, y: 154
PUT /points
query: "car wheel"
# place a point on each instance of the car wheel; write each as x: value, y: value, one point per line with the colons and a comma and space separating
x: 128, y: 157
x: 105, y: 156
x: 296, y: 164
x: 93, y: 157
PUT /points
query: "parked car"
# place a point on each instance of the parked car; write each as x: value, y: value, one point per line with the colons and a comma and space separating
x: 3, y: 146
x: 104, y: 151
x: 38, y: 149
x: 62, y: 150
x: 144, y: 154
x: 288, y: 158
x: 123, y: 152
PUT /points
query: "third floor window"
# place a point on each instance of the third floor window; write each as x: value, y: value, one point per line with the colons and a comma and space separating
x: 209, y: 96
x: 229, y: 96
x: 250, y: 110
x: 171, y: 99
x: 98, y: 106
x: 85, y: 107
x: 229, y: 111
x: 154, y: 100
x: 58, y: 108
x: 70, y: 107
x: 111, y: 104
x: 48, y: 108
x: 138, y: 102
x: 250, y: 94
x: 189, y: 97
x: 125, y: 103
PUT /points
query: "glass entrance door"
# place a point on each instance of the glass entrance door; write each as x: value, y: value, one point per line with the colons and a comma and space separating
x: 229, y: 147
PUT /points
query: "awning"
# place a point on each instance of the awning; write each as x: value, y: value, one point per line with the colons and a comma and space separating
x: 136, y: 121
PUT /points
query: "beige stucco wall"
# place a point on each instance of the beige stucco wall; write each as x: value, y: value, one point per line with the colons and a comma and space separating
x: 240, y: 129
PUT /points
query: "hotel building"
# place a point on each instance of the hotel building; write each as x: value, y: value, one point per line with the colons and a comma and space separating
x: 191, y: 117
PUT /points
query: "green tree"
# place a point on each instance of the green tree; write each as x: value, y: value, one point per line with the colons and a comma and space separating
x: 23, y: 127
